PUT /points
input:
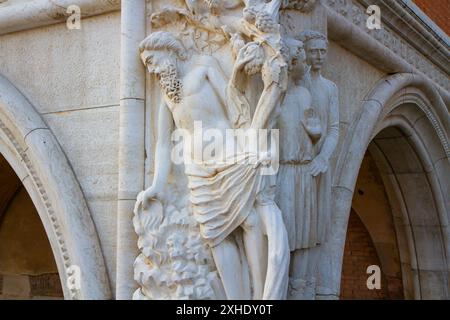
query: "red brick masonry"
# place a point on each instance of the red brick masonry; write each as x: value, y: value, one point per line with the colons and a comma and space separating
x: 358, y: 255
x: 438, y: 11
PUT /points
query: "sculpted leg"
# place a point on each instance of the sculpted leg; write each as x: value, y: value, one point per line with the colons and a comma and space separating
x: 277, y: 276
x: 256, y: 252
x: 228, y: 263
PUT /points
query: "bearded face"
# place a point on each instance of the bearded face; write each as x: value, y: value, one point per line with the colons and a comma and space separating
x: 162, y: 64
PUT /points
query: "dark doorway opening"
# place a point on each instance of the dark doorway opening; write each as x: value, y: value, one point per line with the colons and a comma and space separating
x: 27, y: 266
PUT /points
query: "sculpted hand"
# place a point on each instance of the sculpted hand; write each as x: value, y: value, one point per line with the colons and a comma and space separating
x: 313, y: 126
x: 319, y: 165
x: 144, y: 197
x: 245, y: 55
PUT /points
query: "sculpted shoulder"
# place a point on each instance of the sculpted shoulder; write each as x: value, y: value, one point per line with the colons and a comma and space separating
x: 332, y: 87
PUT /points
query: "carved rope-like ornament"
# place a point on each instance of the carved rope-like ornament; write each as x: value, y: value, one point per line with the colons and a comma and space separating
x: 74, y: 294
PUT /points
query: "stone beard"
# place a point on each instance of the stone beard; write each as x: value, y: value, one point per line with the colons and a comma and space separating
x: 170, y: 82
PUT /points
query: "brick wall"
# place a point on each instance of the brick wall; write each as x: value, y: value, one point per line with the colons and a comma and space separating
x: 438, y: 11
x: 358, y: 255
x: 44, y: 286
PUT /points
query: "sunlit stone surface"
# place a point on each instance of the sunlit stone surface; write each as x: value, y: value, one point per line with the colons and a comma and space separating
x: 116, y: 119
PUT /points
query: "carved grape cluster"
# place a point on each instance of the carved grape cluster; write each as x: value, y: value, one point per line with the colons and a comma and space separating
x: 249, y: 14
x: 212, y: 3
x: 265, y: 23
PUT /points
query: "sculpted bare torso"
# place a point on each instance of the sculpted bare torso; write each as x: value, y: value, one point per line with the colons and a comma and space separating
x: 202, y: 100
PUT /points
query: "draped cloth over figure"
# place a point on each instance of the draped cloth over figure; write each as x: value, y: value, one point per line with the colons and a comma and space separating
x: 217, y: 204
x: 223, y: 194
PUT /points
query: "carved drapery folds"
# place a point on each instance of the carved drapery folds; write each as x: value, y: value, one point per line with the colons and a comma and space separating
x: 211, y: 229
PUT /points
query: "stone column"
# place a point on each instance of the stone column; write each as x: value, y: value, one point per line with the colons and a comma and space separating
x: 131, y: 144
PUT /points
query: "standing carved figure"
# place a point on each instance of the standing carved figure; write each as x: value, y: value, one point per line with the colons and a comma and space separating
x: 224, y: 196
x: 309, y: 130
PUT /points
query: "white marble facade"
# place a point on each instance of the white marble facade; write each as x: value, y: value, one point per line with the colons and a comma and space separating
x: 91, y: 113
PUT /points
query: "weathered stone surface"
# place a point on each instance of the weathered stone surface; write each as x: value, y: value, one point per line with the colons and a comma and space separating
x: 67, y: 80
x: 90, y: 143
x: 82, y: 135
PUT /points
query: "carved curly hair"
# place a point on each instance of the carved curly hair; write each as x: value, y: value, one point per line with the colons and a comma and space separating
x: 308, y: 35
x: 163, y: 40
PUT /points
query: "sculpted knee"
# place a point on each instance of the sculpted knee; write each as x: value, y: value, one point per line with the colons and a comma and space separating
x: 252, y: 221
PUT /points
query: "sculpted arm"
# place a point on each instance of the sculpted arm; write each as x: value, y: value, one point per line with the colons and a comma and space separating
x: 243, y: 57
x: 321, y: 162
x: 332, y: 137
x: 269, y: 100
x: 238, y: 107
x: 275, y: 82
x: 162, y: 156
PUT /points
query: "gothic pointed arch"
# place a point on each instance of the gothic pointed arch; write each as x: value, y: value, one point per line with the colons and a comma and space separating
x: 404, y: 124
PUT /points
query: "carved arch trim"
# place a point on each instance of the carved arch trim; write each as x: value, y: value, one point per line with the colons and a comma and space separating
x: 411, y: 103
x: 37, y: 158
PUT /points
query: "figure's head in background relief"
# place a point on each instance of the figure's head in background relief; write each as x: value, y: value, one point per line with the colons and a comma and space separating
x: 295, y: 56
x: 316, y: 45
